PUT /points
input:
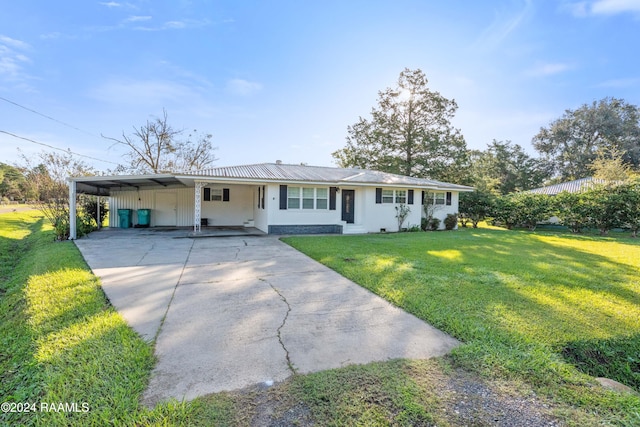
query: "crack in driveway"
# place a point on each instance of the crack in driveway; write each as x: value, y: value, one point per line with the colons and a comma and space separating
x: 284, y: 321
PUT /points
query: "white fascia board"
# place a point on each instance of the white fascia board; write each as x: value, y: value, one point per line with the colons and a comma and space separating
x: 255, y: 181
x: 117, y: 177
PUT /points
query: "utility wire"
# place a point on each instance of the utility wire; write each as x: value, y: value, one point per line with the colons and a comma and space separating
x: 47, y: 117
x: 56, y: 148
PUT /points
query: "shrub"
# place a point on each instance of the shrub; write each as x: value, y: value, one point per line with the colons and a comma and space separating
x: 450, y: 221
x: 570, y: 210
x: 402, y: 212
x: 424, y: 224
x: 89, y: 205
x: 475, y: 207
x: 434, y: 224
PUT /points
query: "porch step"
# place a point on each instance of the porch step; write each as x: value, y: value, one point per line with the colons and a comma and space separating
x: 353, y: 229
x: 249, y: 223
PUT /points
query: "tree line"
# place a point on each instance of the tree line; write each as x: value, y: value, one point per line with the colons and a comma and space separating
x: 604, y: 207
x: 409, y: 132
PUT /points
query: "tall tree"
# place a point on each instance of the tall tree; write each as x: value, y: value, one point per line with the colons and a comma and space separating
x: 610, y: 166
x: 12, y: 183
x: 571, y: 143
x: 155, y: 147
x: 505, y: 167
x: 409, y: 133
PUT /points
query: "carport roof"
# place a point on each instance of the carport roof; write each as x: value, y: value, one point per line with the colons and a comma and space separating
x: 104, y: 185
x: 262, y: 172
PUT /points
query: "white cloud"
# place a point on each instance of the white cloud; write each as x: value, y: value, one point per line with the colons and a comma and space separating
x: 620, y: 83
x: 137, y: 18
x: 547, y: 69
x: 582, y: 9
x: 51, y: 36
x: 176, y: 25
x: 613, y: 7
x: 111, y: 4
x: 243, y: 87
x: 12, y: 59
x: 13, y: 43
x: 142, y: 92
x: 503, y: 26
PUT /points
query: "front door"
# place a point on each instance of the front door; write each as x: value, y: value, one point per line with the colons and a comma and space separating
x: 348, y: 203
x: 166, y: 209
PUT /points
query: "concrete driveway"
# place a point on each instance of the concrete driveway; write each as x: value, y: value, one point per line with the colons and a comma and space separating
x: 231, y: 312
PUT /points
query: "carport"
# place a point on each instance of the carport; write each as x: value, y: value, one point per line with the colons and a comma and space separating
x: 105, y: 186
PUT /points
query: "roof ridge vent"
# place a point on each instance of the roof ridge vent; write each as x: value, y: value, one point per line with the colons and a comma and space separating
x: 278, y: 162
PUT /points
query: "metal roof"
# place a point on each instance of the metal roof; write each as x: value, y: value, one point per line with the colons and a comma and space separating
x: 571, y: 186
x: 288, y: 172
x: 103, y: 185
x: 262, y: 172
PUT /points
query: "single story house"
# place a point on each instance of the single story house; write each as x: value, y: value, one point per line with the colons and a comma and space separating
x: 276, y: 198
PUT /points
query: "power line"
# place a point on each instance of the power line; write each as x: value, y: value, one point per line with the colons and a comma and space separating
x: 56, y: 148
x: 47, y: 117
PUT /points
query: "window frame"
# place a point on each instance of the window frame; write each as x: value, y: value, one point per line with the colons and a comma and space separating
x: 307, y: 202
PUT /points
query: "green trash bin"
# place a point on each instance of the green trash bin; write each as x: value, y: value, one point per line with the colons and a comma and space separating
x: 144, y: 217
x: 125, y: 218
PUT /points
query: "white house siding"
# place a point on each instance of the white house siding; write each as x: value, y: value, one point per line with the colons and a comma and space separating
x: 279, y: 216
x: 238, y: 210
x: 442, y: 211
x: 380, y: 216
x: 146, y: 199
x: 260, y: 218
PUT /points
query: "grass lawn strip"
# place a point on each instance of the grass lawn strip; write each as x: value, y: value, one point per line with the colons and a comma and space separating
x: 516, y: 299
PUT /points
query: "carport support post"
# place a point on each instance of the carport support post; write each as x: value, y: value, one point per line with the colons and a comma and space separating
x: 98, y: 210
x: 72, y: 210
x: 197, y: 206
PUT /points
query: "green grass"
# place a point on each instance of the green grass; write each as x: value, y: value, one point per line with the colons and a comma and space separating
x: 63, y: 343
x: 529, y: 307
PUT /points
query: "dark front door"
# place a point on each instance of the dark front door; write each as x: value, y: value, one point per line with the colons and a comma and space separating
x: 348, y: 202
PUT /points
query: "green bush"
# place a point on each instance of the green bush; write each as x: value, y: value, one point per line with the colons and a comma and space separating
x: 434, y: 224
x: 450, y: 221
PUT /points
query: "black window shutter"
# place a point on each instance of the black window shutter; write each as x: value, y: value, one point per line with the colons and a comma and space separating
x: 283, y: 197
x: 424, y: 194
x: 259, y: 197
x: 332, y: 198
x: 207, y: 194
x: 378, y: 195
x: 263, y: 195
x: 410, y: 198
x: 225, y: 194
x: 448, y: 198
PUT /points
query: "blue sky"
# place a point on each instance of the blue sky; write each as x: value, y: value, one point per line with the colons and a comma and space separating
x: 282, y: 80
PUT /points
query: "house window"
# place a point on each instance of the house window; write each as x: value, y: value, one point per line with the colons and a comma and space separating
x: 215, y: 194
x: 307, y: 198
x: 438, y: 198
x: 322, y: 198
x: 293, y: 197
x: 392, y: 196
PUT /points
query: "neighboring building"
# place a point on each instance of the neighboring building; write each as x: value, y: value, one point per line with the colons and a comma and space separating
x: 571, y: 186
x: 273, y: 197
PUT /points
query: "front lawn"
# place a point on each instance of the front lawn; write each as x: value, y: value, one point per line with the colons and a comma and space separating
x: 522, y: 302
x: 543, y: 308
